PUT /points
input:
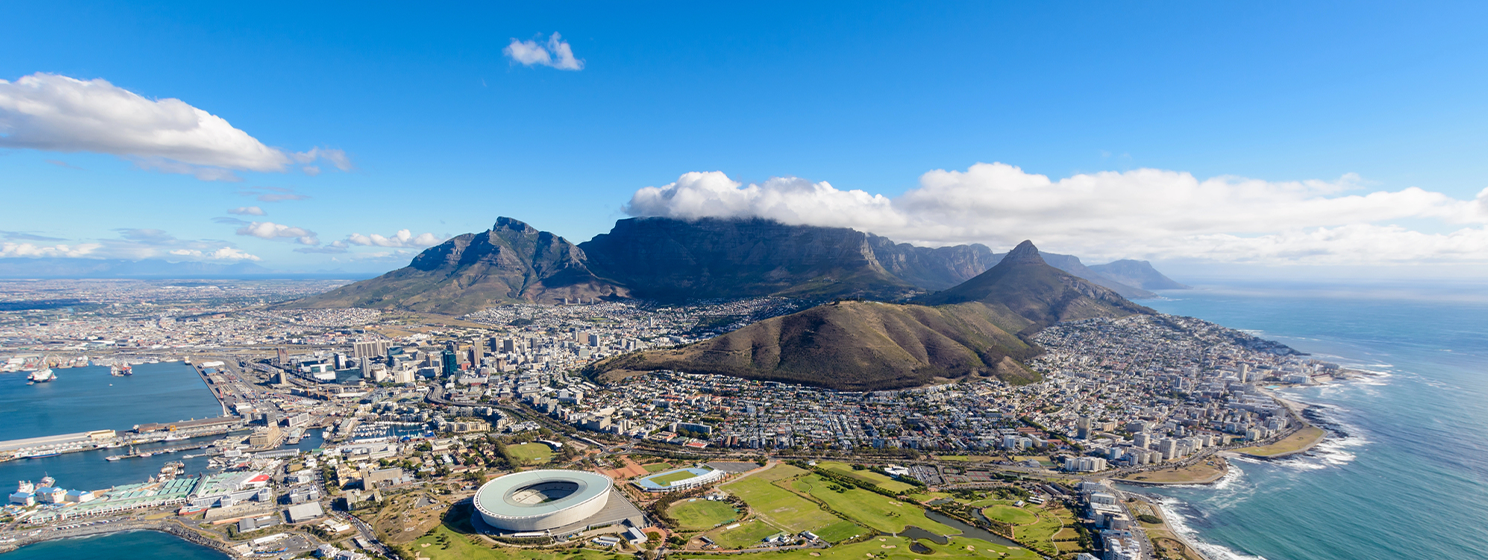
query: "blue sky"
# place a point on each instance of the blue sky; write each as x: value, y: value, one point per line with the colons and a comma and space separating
x: 1292, y: 135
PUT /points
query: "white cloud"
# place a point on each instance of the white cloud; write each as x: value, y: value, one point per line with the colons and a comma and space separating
x: 132, y: 243
x: 56, y: 113
x: 404, y: 238
x: 271, y: 230
x: 8, y: 250
x: 1146, y: 213
x: 788, y: 200
x: 556, y: 53
x: 247, y: 211
x: 223, y: 254
x: 337, y: 158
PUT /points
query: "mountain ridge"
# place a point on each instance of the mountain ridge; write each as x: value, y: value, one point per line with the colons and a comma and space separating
x: 663, y: 259
x: 981, y: 327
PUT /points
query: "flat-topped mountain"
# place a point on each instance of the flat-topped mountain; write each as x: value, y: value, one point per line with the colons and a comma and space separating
x: 667, y: 259
x: 674, y: 260
x: 511, y: 262
x: 978, y: 328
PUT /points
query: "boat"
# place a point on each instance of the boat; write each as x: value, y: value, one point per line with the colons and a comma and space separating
x: 127, y: 370
x: 42, y: 375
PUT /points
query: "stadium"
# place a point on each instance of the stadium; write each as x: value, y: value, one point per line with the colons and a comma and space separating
x: 679, y: 479
x: 542, y: 500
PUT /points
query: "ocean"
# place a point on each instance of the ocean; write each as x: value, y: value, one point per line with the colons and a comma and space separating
x: 1404, y: 473
x: 134, y: 544
x: 88, y: 398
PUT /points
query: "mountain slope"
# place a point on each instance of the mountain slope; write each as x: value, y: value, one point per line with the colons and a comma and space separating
x: 932, y: 268
x: 1022, y: 285
x: 672, y: 260
x: 1139, y: 274
x: 1072, y: 265
x: 979, y: 327
x: 511, y: 262
x: 851, y: 346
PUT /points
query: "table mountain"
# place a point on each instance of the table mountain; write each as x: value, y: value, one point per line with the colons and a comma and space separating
x: 675, y: 260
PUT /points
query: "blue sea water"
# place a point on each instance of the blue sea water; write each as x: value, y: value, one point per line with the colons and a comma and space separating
x: 135, y: 544
x: 1405, y: 473
x: 88, y: 398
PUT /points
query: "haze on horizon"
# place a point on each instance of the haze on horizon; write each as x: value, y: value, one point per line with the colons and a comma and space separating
x: 1293, y: 141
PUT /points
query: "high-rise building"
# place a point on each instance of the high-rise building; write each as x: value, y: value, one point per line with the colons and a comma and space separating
x: 369, y: 349
x: 1142, y: 440
x: 281, y: 357
x: 477, y: 351
x: 451, y: 365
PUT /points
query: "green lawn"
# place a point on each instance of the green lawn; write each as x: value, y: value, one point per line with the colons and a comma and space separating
x: 656, y: 467
x: 1041, y: 532
x: 745, y: 535
x: 866, y: 475
x: 929, y: 496
x: 700, y: 514
x: 531, y: 453
x: 1010, y: 514
x: 895, y: 548
x: 874, y: 510
x: 445, y: 544
x: 785, y: 509
x: 668, y: 479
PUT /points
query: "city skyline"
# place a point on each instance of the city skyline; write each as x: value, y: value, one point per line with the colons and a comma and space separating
x: 336, y: 141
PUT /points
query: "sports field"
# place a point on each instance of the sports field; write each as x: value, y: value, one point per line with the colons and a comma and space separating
x: 668, y: 479
x: 530, y: 453
x: 866, y: 475
x: 786, y: 510
x: 747, y: 534
x: 698, y: 514
x: 656, y: 467
x: 874, y: 510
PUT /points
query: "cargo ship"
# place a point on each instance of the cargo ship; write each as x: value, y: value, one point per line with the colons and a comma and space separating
x: 42, y: 375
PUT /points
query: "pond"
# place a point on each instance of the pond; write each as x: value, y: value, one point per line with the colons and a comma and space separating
x: 969, y: 531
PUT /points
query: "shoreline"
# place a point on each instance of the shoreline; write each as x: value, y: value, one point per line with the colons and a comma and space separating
x: 160, y: 526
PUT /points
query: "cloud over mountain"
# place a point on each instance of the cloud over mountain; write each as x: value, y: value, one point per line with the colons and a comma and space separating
x: 1144, y: 213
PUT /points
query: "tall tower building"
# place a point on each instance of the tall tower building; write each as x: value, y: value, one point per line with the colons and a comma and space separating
x: 477, y: 351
